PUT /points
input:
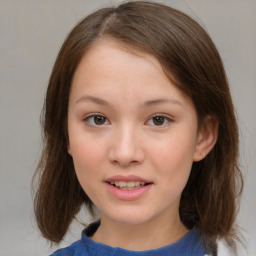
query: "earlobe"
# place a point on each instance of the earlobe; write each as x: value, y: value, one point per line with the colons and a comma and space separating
x: 69, y: 149
x: 206, y: 139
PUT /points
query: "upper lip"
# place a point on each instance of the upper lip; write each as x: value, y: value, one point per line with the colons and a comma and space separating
x: 127, y: 178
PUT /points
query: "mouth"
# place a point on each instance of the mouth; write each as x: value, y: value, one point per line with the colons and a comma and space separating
x: 130, y: 182
x: 128, y: 185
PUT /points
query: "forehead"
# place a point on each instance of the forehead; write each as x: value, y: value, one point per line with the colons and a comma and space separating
x: 112, y: 66
x: 107, y: 56
x: 105, y: 48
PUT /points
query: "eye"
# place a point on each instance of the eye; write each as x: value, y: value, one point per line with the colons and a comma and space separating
x: 96, y: 120
x: 159, y: 120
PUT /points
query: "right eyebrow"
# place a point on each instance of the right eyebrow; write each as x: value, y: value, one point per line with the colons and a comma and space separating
x: 92, y: 99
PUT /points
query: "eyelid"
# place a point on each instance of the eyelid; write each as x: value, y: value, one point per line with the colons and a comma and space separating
x: 163, y: 115
x: 166, y: 116
x: 91, y: 115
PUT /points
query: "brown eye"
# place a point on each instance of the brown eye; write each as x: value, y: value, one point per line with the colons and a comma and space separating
x: 99, y: 120
x: 96, y: 120
x: 158, y: 120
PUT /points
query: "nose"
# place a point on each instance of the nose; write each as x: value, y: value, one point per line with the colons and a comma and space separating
x: 127, y: 148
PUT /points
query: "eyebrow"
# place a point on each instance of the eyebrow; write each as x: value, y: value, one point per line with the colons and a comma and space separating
x: 160, y: 101
x: 148, y: 103
x: 92, y: 99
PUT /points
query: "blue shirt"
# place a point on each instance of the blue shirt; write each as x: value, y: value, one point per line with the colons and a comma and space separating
x: 189, y: 245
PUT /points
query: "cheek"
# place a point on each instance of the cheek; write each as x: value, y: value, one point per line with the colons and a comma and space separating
x: 177, y: 149
x: 173, y: 159
x: 87, y: 158
x: 87, y: 155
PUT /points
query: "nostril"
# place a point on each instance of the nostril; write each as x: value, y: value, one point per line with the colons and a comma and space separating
x: 125, y: 163
x: 126, y: 151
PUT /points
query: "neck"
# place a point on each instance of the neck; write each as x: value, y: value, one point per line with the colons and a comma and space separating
x: 139, y: 237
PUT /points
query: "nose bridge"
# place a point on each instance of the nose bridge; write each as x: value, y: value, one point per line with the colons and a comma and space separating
x: 127, y: 148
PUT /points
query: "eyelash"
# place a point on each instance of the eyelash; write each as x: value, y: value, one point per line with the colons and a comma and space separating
x: 93, y: 116
x: 166, y: 120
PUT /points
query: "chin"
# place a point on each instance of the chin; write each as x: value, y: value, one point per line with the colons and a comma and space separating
x: 129, y: 217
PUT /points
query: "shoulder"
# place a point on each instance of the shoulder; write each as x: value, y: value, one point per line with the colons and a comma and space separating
x: 72, y: 250
x: 82, y: 246
x: 191, y: 244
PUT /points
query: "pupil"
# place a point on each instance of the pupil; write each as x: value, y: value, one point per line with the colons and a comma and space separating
x: 158, y: 120
x: 99, y: 120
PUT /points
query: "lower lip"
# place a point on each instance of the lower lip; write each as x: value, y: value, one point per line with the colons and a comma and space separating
x: 126, y: 194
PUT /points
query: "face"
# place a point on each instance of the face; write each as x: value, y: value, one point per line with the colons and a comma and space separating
x: 132, y: 135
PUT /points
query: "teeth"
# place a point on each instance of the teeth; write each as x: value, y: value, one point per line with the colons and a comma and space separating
x: 127, y: 184
x: 121, y: 184
x: 137, y: 183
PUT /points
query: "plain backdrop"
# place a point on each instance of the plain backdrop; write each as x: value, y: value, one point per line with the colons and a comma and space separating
x: 31, y: 33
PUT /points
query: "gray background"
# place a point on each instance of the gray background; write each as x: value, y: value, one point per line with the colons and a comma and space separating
x: 31, y: 32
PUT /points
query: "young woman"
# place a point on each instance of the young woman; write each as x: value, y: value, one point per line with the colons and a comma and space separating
x: 139, y: 122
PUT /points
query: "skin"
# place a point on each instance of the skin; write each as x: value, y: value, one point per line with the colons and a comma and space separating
x: 126, y: 90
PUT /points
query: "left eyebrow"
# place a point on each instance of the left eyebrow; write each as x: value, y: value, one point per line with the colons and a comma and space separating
x: 160, y: 101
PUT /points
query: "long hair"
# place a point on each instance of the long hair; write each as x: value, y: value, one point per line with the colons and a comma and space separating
x: 189, y: 58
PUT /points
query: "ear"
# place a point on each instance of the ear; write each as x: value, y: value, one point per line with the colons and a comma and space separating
x: 206, y: 138
x: 69, y: 149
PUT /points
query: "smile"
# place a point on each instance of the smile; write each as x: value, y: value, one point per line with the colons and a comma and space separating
x: 128, y: 184
x: 128, y: 187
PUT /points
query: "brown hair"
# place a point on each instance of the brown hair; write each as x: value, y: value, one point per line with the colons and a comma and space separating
x: 188, y: 56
